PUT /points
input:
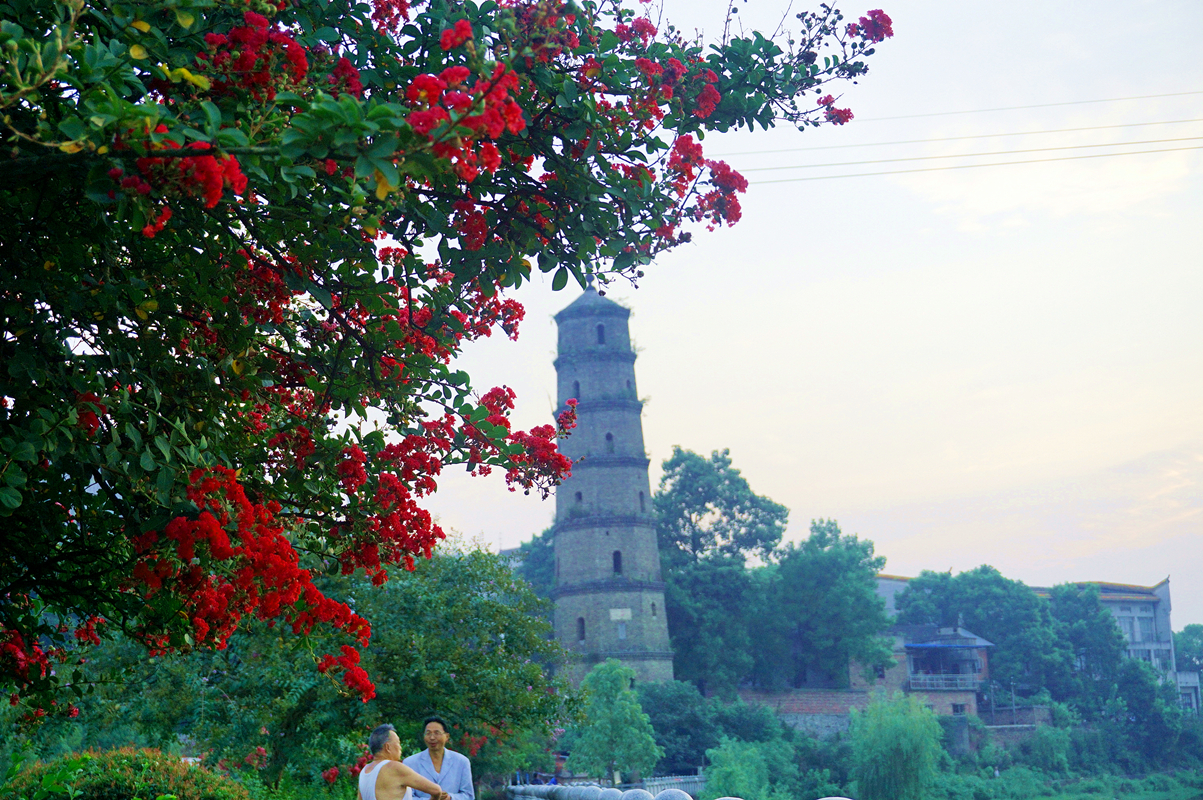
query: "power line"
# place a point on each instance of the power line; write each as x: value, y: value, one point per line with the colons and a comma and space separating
x: 1040, y: 105
x: 957, y: 138
x: 974, y: 166
x: 969, y: 155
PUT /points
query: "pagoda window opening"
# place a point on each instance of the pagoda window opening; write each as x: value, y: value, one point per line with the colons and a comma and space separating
x: 601, y: 334
x: 617, y: 562
x: 580, y: 498
x: 580, y: 629
x: 642, y: 504
x: 576, y: 389
x: 609, y: 443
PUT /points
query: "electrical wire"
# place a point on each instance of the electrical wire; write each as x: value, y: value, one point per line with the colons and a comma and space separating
x: 975, y: 166
x: 1040, y: 105
x: 968, y: 155
x: 957, y: 138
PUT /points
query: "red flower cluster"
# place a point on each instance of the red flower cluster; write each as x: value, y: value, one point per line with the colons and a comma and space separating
x: 89, y: 404
x: 257, y: 758
x: 344, y: 78
x: 486, y: 110
x: 217, y: 580
x: 456, y: 35
x: 253, y: 58
x: 877, y: 27
x: 330, y: 775
x: 837, y: 116
x: 28, y: 662
x: 641, y: 27
x: 353, y: 675
x: 544, y: 24
x: 387, y: 14
x: 351, y: 473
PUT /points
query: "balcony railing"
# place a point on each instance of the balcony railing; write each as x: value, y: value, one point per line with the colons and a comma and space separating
x: 947, y: 682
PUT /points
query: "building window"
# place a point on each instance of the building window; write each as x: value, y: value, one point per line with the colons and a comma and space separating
x: 1128, y: 626
x: 601, y: 334
x: 653, y: 609
x: 622, y: 630
x: 1148, y: 632
x: 580, y: 498
x: 960, y: 708
x: 617, y: 562
x: 576, y: 389
x: 609, y: 443
x: 1125, y: 609
x: 642, y: 504
x: 880, y: 672
x: 580, y: 629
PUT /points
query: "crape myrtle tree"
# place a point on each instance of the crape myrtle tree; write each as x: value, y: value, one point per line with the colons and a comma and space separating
x: 243, y: 242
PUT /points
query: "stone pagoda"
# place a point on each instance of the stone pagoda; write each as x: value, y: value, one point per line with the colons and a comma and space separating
x: 609, y: 599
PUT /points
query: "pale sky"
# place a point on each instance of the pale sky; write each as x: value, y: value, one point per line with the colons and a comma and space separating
x: 1000, y: 365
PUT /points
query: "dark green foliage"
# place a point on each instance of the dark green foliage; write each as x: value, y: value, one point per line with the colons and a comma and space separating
x: 1029, y: 650
x: 711, y: 604
x: 824, y: 597
x: 1188, y: 648
x: 1148, y: 712
x: 1097, y: 644
x: 538, y: 565
x: 705, y: 507
x: 684, y: 723
x: 750, y: 722
x: 124, y: 774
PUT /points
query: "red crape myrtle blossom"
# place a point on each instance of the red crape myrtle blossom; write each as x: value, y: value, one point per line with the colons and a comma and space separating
x: 252, y: 569
x: 877, y: 27
x: 836, y: 116
x: 257, y: 58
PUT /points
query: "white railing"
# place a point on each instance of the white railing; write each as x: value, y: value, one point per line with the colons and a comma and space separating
x: 595, y: 792
x: 945, y: 681
x: 690, y: 784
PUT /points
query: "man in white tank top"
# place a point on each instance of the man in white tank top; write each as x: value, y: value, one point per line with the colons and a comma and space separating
x: 385, y: 777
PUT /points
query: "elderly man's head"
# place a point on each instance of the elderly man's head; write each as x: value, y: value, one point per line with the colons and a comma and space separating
x: 384, y: 741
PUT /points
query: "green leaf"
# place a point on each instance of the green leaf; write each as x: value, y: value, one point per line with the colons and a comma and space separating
x: 560, y: 280
x: 9, y: 498
x: 148, y: 460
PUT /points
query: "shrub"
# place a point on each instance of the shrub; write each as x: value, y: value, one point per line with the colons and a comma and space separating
x: 127, y: 773
x: 1048, y: 750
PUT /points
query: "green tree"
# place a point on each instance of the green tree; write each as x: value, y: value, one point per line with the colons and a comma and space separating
x: 218, y: 383
x: 1097, y: 644
x: 538, y: 565
x: 683, y: 722
x: 1188, y: 648
x: 753, y: 770
x: 615, y: 736
x: 709, y: 604
x: 708, y: 521
x: 705, y: 507
x: 896, y: 749
x: 1029, y: 650
x: 1149, y: 715
x: 824, y: 600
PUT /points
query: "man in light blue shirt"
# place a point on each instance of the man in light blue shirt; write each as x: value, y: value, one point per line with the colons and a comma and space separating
x: 450, y: 770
